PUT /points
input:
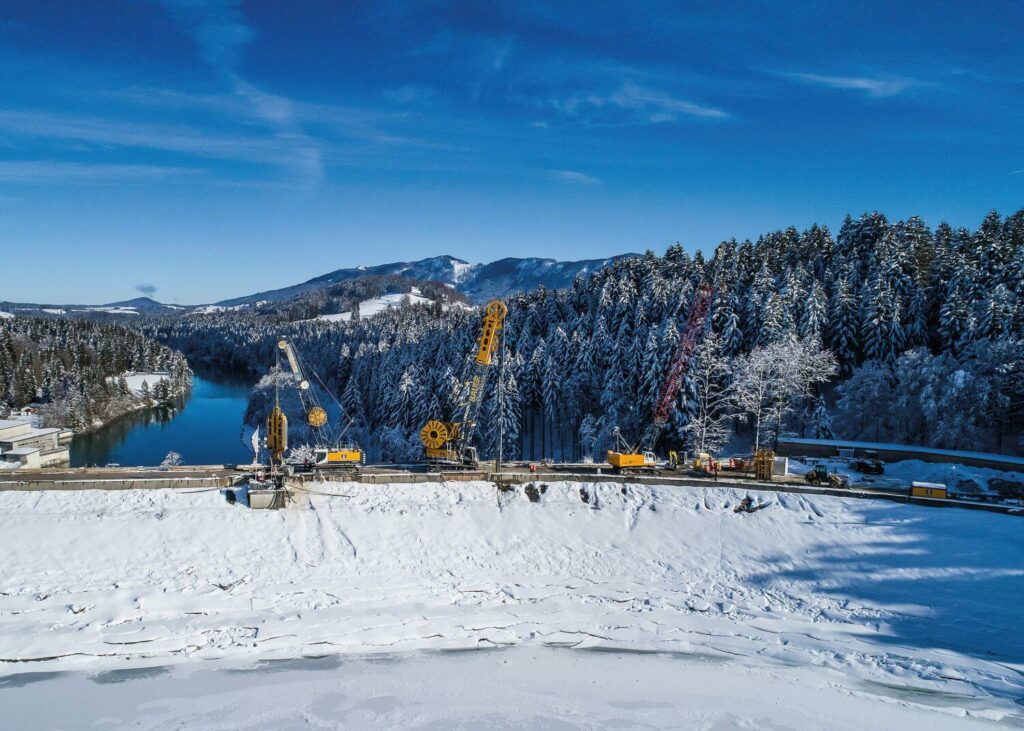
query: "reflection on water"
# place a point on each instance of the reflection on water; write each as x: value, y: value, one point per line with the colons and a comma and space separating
x: 204, y: 428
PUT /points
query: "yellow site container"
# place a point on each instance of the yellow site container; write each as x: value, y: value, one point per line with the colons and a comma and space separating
x: 928, y: 489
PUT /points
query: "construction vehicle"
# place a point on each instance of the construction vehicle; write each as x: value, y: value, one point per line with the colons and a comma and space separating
x: 329, y: 451
x: 707, y: 464
x: 819, y: 475
x: 451, y: 442
x: 869, y: 464
x: 641, y: 455
x: 624, y: 457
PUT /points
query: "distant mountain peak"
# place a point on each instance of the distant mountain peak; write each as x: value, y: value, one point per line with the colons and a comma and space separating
x: 479, y: 282
x: 136, y: 302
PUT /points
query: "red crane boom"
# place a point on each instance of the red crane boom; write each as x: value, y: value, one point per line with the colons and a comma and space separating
x: 677, y: 369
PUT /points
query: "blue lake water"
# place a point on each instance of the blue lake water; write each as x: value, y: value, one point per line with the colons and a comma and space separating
x: 205, y: 428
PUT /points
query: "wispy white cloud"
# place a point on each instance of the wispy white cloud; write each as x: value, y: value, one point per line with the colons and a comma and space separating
x: 645, y: 104
x: 1017, y: 172
x: 574, y: 176
x: 872, y: 86
x: 99, y: 131
x: 48, y: 171
x: 221, y: 34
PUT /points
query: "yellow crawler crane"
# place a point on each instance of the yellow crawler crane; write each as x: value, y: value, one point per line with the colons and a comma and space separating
x: 328, y: 451
x: 449, y: 442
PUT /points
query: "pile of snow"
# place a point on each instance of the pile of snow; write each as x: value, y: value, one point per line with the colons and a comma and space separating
x: 950, y: 475
x: 901, y: 474
x: 6, y: 315
x: 371, y: 307
x: 874, y: 599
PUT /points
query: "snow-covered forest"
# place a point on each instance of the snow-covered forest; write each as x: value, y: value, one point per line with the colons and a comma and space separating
x: 75, y: 368
x: 923, y: 329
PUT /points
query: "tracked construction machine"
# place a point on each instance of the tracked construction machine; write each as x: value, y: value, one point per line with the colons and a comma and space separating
x: 329, y: 450
x: 641, y: 455
x: 450, y: 443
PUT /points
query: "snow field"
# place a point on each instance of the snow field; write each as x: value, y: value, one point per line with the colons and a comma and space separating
x: 908, y: 605
x: 371, y: 307
x: 136, y: 380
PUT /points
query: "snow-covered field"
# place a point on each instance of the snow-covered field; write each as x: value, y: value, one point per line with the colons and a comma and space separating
x: 135, y: 381
x: 5, y: 315
x: 811, y: 612
x: 371, y: 307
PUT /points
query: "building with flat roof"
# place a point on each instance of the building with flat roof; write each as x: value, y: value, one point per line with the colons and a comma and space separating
x: 13, y: 427
x: 33, y: 447
x: 29, y: 458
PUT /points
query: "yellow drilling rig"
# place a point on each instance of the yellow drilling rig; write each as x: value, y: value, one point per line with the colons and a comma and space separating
x: 329, y: 451
x: 450, y: 442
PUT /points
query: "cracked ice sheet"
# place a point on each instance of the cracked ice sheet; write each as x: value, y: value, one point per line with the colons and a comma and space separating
x: 523, y: 687
x: 878, y: 598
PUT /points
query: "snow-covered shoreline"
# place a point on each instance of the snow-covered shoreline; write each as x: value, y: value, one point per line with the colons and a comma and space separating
x: 865, y: 593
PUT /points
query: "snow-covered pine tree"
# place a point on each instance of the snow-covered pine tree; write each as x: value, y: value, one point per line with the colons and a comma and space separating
x: 821, y: 421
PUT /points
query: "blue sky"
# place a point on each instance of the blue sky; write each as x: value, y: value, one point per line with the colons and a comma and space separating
x: 211, y: 149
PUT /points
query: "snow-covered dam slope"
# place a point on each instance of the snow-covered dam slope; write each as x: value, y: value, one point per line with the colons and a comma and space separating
x: 875, y: 597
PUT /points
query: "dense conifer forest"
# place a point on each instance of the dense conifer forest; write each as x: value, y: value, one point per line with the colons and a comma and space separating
x: 73, y: 369
x: 924, y: 329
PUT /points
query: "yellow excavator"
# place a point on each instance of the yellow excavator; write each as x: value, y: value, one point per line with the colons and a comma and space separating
x: 450, y: 442
x: 328, y: 451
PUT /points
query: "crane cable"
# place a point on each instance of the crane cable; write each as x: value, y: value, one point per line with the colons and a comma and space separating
x: 329, y: 392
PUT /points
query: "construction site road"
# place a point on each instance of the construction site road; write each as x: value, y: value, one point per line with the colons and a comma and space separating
x: 225, y: 476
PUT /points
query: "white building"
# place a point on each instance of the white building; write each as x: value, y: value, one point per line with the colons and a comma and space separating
x: 23, y: 445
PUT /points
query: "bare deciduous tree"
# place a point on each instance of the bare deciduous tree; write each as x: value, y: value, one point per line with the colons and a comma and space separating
x: 771, y: 380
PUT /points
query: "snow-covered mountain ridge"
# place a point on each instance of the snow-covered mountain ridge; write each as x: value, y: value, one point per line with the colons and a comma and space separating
x: 478, y: 281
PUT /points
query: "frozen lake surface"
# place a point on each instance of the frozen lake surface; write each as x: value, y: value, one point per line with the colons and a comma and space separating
x: 815, y: 607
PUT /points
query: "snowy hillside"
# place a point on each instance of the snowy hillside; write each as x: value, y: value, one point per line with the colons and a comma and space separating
x: 884, y: 607
x: 511, y: 276
x: 480, y: 281
x: 371, y: 307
